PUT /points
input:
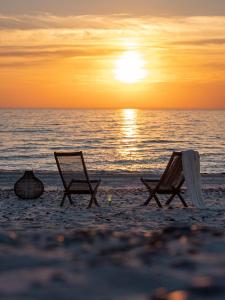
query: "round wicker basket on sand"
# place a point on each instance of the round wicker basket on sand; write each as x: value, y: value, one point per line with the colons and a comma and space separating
x: 29, y: 186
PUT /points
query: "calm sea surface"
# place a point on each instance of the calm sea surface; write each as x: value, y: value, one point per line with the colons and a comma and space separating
x: 112, y: 140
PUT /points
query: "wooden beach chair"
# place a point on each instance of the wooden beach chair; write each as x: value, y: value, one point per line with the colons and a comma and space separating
x: 170, y: 182
x: 74, y: 175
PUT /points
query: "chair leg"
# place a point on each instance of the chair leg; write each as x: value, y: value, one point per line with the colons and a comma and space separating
x: 96, y: 202
x: 63, y: 200
x: 91, y: 201
x: 182, y: 200
x: 150, y: 191
x: 157, y: 201
x: 152, y: 195
x: 148, y: 200
x: 95, y: 192
x: 70, y: 199
x: 93, y: 197
x: 170, y: 199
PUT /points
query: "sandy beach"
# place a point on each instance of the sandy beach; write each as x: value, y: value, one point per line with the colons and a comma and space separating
x: 118, y: 251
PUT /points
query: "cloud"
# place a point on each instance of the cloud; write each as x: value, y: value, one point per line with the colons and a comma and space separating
x: 19, y: 64
x: 116, y: 21
x: 55, y: 53
x: 105, y: 30
x: 151, y: 7
x: 201, y: 42
x: 175, y: 45
x: 47, y: 21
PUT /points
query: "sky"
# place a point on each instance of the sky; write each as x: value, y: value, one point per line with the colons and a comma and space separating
x: 150, y: 7
x: 68, y: 54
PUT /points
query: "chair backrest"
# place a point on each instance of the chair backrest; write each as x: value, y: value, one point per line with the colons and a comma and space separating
x: 71, y: 166
x: 173, y: 174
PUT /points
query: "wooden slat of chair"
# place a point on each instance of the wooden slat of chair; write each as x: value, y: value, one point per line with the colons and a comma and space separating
x: 166, y: 184
x: 68, y: 186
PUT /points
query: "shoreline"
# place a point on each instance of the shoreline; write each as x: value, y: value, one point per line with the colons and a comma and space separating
x: 52, y: 180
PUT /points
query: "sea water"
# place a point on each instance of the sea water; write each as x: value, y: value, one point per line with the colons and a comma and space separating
x: 124, y: 140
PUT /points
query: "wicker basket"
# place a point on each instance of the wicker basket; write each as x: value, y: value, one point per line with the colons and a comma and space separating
x: 29, y: 186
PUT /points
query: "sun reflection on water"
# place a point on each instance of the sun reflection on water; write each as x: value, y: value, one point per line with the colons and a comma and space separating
x: 127, y: 149
x: 129, y: 126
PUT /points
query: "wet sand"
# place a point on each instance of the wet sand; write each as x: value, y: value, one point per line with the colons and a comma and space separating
x: 117, y: 251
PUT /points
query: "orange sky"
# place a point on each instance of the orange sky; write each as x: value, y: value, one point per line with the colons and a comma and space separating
x: 60, y: 61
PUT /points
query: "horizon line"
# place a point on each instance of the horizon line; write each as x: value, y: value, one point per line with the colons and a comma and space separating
x: 110, y: 108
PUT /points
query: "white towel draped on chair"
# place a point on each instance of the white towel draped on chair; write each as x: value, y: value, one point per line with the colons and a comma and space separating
x: 191, y: 169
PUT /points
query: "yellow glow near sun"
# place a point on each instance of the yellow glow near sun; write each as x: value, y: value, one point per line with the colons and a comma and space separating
x: 130, y: 67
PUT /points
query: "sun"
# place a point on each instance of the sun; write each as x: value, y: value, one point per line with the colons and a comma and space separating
x: 130, y: 67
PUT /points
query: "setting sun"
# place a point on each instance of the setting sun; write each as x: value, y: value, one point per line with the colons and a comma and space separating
x: 130, y: 67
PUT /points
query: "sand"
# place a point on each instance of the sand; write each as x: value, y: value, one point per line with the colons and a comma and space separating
x: 117, y: 251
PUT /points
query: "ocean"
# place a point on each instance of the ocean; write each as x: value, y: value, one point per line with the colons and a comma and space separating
x: 123, y: 140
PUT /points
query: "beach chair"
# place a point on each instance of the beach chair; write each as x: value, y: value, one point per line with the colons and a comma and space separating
x: 170, y: 182
x: 74, y: 175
